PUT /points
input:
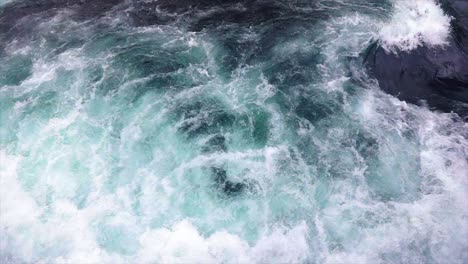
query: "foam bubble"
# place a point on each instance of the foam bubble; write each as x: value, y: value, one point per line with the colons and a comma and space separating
x: 414, y: 24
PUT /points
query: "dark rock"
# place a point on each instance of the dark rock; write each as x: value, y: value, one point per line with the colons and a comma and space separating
x: 436, y: 76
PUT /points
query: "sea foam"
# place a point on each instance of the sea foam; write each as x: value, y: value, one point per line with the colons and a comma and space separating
x: 414, y: 24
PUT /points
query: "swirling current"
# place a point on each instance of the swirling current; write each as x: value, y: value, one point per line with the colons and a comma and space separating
x: 223, y: 132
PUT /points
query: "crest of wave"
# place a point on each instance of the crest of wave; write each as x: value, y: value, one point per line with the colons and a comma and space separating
x: 414, y: 24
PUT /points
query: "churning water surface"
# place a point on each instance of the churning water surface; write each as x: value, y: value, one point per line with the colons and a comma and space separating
x: 222, y: 132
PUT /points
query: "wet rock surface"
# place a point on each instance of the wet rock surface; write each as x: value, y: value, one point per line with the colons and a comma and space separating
x: 432, y: 76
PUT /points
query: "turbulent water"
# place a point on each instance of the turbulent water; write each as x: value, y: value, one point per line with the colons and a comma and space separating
x: 222, y: 131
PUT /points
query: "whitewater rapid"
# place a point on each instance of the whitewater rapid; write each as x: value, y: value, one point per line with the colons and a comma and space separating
x: 166, y: 134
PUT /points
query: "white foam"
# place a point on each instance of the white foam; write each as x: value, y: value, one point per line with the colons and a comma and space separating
x: 4, y: 2
x: 10, y: 208
x: 70, y: 236
x: 440, y: 214
x: 66, y: 232
x: 184, y: 244
x: 415, y: 23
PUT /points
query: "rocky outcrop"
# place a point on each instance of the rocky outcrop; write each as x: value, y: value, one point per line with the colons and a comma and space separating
x: 436, y: 76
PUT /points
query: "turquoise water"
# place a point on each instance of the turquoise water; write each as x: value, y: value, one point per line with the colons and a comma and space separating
x: 219, y: 141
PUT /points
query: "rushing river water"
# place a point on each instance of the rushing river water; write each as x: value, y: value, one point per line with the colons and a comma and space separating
x: 222, y: 131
